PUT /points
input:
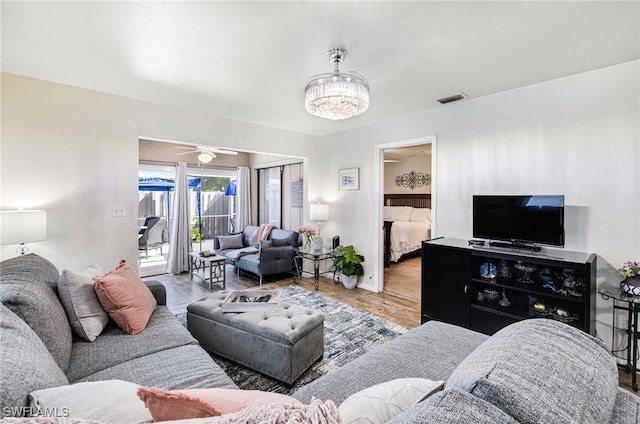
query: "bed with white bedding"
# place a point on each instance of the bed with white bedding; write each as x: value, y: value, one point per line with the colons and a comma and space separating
x: 405, y: 227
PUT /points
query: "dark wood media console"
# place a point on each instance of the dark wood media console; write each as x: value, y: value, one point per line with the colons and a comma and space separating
x: 458, y: 288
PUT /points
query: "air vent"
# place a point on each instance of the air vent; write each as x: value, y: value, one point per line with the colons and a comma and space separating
x: 450, y: 99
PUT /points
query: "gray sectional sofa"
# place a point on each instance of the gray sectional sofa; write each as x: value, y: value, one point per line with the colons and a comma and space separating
x: 273, y: 256
x: 40, y: 350
x: 535, y: 371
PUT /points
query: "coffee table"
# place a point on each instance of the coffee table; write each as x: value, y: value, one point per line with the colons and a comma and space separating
x: 215, y: 263
x: 282, y: 342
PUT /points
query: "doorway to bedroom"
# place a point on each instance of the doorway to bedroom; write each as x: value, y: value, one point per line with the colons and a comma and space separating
x: 407, y: 196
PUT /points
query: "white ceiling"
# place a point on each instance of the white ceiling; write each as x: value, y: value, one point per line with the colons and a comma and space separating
x: 251, y: 60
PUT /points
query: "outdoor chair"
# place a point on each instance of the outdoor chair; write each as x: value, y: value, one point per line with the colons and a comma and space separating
x: 154, y: 235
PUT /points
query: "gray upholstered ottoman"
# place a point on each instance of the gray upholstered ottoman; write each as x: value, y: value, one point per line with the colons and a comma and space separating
x: 282, y: 343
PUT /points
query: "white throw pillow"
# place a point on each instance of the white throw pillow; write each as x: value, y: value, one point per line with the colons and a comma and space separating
x: 421, y: 215
x: 113, y: 401
x: 86, y: 315
x: 382, y: 402
x: 397, y: 213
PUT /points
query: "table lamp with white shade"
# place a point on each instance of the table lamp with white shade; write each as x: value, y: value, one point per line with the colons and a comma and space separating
x: 318, y: 212
x: 23, y: 226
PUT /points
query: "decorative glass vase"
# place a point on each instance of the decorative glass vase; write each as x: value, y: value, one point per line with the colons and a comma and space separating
x: 306, y: 238
x: 316, y: 244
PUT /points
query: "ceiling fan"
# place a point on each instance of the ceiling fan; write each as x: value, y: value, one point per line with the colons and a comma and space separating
x: 205, y: 153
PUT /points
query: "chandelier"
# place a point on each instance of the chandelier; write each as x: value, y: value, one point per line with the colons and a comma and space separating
x: 337, y: 95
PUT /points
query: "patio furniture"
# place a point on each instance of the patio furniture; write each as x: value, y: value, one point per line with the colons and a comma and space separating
x: 154, y: 235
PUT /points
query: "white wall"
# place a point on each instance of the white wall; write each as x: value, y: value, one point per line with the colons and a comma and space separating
x: 578, y: 136
x: 74, y: 152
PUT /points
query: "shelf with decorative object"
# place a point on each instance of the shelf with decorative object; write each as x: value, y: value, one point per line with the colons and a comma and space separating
x: 494, y: 287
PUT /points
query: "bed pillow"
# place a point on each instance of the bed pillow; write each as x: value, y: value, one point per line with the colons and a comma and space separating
x: 86, y: 315
x: 166, y: 405
x: 230, y: 242
x: 397, y: 213
x: 113, y: 401
x: 421, y: 215
x: 382, y: 402
x: 124, y: 296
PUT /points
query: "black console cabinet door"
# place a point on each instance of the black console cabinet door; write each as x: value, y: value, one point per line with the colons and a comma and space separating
x: 445, y: 276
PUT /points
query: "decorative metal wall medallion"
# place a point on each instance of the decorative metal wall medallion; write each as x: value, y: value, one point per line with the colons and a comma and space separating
x: 413, y: 179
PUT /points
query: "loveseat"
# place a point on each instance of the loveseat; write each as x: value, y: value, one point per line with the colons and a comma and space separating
x: 41, y: 351
x: 267, y: 257
x: 533, y: 371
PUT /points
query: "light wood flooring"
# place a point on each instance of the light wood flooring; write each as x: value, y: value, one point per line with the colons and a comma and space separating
x: 403, y: 278
x: 182, y: 290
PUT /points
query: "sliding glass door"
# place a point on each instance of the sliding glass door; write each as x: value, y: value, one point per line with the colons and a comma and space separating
x: 270, y: 196
x: 211, y: 211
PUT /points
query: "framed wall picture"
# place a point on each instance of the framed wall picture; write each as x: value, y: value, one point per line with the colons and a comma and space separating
x: 349, y: 179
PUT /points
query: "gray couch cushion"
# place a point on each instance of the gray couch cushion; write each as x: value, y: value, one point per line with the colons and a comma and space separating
x: 431, y: 351
x: 230, y: 242
x: 25, y: 364
x: 26, y: 289
x: 247, y: 233
x: 114, y: 347
x: 184, y: 367
x: 626, y: 409
x: 453, y: 407
x: 541, y: 370
x: 280, y: 237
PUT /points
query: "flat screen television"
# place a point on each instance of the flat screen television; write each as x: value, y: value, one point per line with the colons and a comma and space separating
x: 522, y: 221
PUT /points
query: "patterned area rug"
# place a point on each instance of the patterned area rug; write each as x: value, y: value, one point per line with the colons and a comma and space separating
x: 348, y: 333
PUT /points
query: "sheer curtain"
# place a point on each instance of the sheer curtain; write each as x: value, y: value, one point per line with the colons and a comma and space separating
x: 180, y: 239
x: 243, y: 198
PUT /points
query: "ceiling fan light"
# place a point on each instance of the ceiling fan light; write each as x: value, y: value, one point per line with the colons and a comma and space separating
x: 337, y: 95
x: 205, y: 157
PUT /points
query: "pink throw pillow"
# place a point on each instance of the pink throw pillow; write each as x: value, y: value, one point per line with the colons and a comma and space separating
x: 124, y: 296
x: 165, y: 405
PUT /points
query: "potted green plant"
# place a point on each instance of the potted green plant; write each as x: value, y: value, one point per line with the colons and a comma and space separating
x: 348, y: 263
x: 195, y: 234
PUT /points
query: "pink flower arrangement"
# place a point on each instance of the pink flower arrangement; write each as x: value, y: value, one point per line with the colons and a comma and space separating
x: 307, y: 230
x: 630, y: 269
